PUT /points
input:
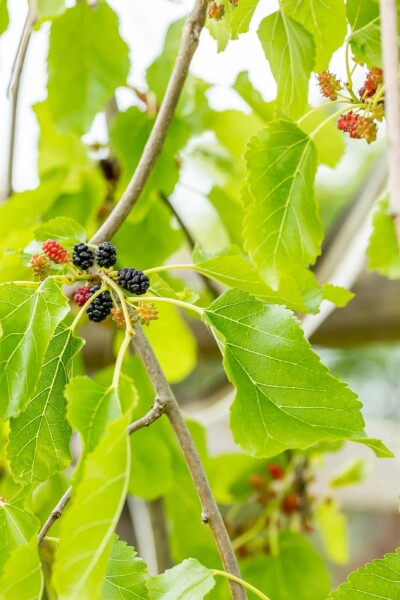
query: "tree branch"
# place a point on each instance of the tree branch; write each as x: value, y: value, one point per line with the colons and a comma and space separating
x: 154, y: 145
x: 13, y: 90
x: 210, y: 510
x: 55, y: 514
x: 390, y: 53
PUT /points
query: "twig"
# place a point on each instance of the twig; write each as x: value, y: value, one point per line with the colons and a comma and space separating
x: 154, y: 145
x: 210, y: 510
x: 392, y: 102
x: 156, y: 411
x: 55, y: 514
x: 210, y: 285
x: 14, y: 87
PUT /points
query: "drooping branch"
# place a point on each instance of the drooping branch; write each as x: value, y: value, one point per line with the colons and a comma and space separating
x: 13, y: 90
x: 390, y: 53
x: 154, y: 145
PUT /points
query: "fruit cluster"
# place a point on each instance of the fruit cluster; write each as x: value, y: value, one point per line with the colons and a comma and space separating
x: 216, y: 10
x: 360, y: 121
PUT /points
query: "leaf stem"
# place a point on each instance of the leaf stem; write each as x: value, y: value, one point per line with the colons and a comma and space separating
x: 27, y: 283
x: 243, y: 583
x: 120, y: 358
x: 180, y: 303
x: 123, y: 302
x: 316, y: 108
x: 168, y: 268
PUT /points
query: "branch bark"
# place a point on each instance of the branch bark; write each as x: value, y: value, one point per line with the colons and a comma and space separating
x: 210, y: 511
x: 55, y: 514
x: 390, y: 53
x: 14, y: 88
x: 154, y: 145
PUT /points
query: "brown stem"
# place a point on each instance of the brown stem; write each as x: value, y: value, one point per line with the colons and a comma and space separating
x: 14, y: 88
x: 210, y: 510
x: 390, y: 53
x: 212, y: 288
x: 154, y: 145
x: 55, y: 514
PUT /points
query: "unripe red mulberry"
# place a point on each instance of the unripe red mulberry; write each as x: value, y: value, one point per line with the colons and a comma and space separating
x: 56, y: 252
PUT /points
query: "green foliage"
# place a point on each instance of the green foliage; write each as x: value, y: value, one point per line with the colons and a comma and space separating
x: 292, y: 572
x: 242, y: 16
x: 62, y: 229
x: 325, y: 20
x: 332, y: 526
x: 126, y: 574
x: 29, y: 317
x: 4, y: 18
x: 282, y: 229
x: 22, y: 577
x: 384, y: 250
x: 84, y: 34
x: 378, y: 579
x: 187, y: 581
x: 290, y: 49
x: 291, y: 402
x: 39, y: 437
x: 365, y: 39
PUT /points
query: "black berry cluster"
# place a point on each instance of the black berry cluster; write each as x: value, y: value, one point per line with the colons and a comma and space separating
x: 101, y: 306
x: 133, y: 280
x: 106, y: 255
x: 83, y: 256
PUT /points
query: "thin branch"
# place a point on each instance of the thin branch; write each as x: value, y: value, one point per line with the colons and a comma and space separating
x: 390, y: 53
x: 55, y: 514
x: 156, y: 411
x: 154, y: 145
x: 210, y: 285
x: 13, y: 90
x: 210, y: 511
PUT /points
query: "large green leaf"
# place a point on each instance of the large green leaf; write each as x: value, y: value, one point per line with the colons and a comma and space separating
x: 29, y: 317
x: 295, y: 572
x: 289, y: 49
x: 384, y: 248
x: 39, y: 437
x: 96, y: 505
x: 282, y: 229
x: 22, y: 578
x: 97, y: 64
x: 17, y: 527
x: 325, y: 20
x: 126, y: 574
x: 365, y: 37
x: 242, y: 16
x: 378, y: 580
x: 187, y: 581
x: 62, y: 229
x: 286, y: 398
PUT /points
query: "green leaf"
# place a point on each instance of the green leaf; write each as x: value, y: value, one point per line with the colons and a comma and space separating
x: 187, y: 581
x: 96, y: 505
x: 177, y: 353
x: 4, y: 18
x: 62, y: 229
x: 353, y: 471
x: 39, y: 439
x: 337, y: 294
x: 92, y: 73
x: 29, y: 317
x: 325, y: 20
x: 220, y: 28
x: 22, y: 578
x: 241, y: 17
x: 384, y: 249
x: 286, y: 398
x: 235, y: 270
x: 297, y: 571
x: 126, y: 574
x: 252, y: 97
x: 163, y: 288
x: 17, y: 527
x: 332, y: 525
x: 365, y: 37
x: 48, y: 9
x: 282, y: 229
x: 378, y: 579
x: 329, y: 142
x: 289, y: 49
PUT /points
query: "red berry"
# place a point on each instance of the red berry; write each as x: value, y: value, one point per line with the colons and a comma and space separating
x: 328, y: 84
x: 275, y: 470
x: 81, y: 295
x: 216, y: 11
x: 290, y: 504
x: 40, y: 264
x: 55, y: 252
x: 257, y: 481
x: 373, y: 79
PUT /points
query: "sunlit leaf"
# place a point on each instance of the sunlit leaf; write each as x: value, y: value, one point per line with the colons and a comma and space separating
x: 242, y: 16
x: 22, y: 578
x: 62, y: 229
x: 289, y: 49
x: 4, y: 18
x: 126, y: 574
x: 329, y: 142
x: 332, y: 525
x: 352, y: 471
x: 336, y: 294
x: 29, y: 317
x: 365, y: 37
x: 187, y: 581
x: 384, y: 249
